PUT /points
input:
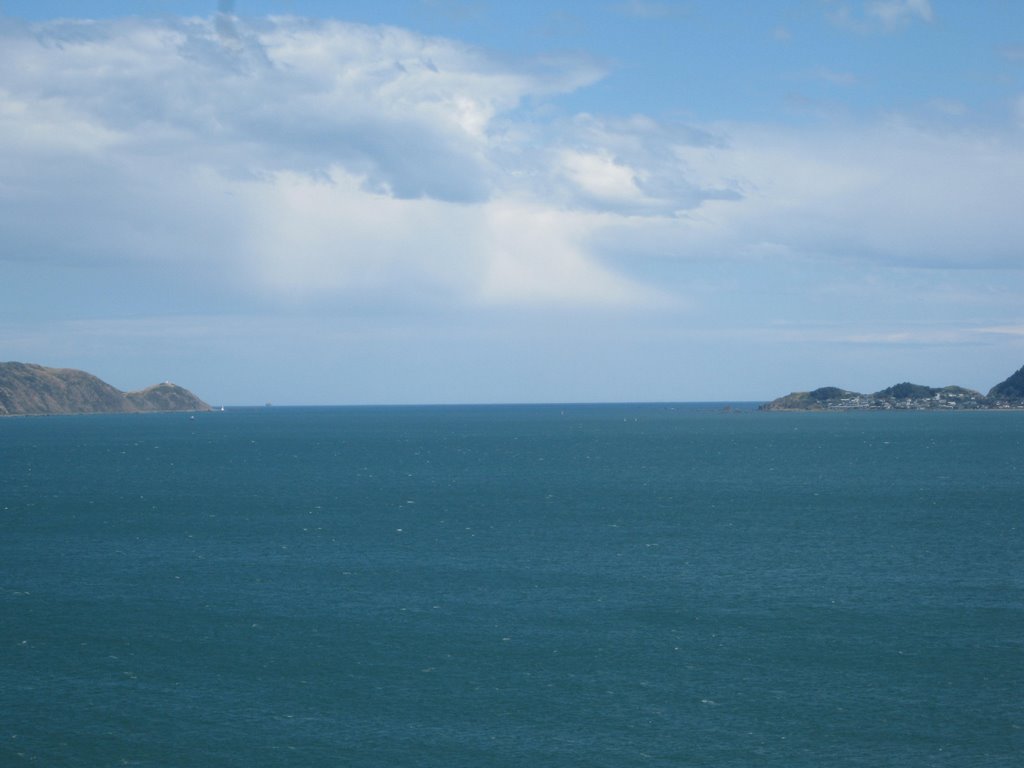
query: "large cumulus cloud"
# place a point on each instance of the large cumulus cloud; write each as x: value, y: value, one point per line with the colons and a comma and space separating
x: 302, y: 157
x: 324, y: 159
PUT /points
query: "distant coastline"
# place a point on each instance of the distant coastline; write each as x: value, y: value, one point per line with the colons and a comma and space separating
x: 1007, y: 395
x: 27, y: 389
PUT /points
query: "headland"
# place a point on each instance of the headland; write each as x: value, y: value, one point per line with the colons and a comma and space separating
x: 27, y: 389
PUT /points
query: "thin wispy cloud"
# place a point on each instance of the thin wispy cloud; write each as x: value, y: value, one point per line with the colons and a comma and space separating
x: 894, y: 12
x: 886, y: 15
x: 650, y: 9
x: 833, y: 77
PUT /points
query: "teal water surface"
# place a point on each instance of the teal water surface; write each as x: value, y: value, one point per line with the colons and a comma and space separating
x: 644, y: 585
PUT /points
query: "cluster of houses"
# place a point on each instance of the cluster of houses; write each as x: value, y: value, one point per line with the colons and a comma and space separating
x: 1007, y: 395
x: 950, y: 401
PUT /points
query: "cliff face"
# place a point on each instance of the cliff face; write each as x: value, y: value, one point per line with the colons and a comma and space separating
x: 34, y: 389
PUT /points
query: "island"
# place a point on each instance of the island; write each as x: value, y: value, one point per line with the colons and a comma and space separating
x: 1008, y: 394
x: 27, y: 389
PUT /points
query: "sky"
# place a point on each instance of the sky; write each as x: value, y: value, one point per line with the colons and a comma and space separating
x: 474, y: 201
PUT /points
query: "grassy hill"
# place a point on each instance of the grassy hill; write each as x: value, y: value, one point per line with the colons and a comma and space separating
x: 27, y: 389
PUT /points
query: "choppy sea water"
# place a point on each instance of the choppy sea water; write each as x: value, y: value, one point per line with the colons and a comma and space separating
x: 534, y: 586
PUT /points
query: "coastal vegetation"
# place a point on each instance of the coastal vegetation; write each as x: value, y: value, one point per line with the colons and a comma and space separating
x: 28, y: 389
x: 905, y: 396
x: 1011, y: 389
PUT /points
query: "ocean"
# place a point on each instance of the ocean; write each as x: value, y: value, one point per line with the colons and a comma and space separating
x: 577, y: 585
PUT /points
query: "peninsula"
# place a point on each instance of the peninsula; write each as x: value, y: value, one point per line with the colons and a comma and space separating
x: 28, y: 389
x: 1008, y: 394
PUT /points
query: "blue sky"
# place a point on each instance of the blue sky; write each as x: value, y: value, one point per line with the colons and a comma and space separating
x: 430, y: 201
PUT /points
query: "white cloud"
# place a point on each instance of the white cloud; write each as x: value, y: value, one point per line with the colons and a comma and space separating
x: 322, y: 161
x: 315, y: 238
x: 599, y: 176
x: 540, y: 252
x: 894, y: 12
x: 626, y: 165
x: 1004, y: 330
x: 879, y: 14
x: 893, y: 193
x: 303, y: 159
x: 645, y: 9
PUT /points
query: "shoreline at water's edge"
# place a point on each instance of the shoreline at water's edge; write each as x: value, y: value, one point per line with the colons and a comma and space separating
x: 103, y: 413
x: 987, y: 409
x: 1006, y: 395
